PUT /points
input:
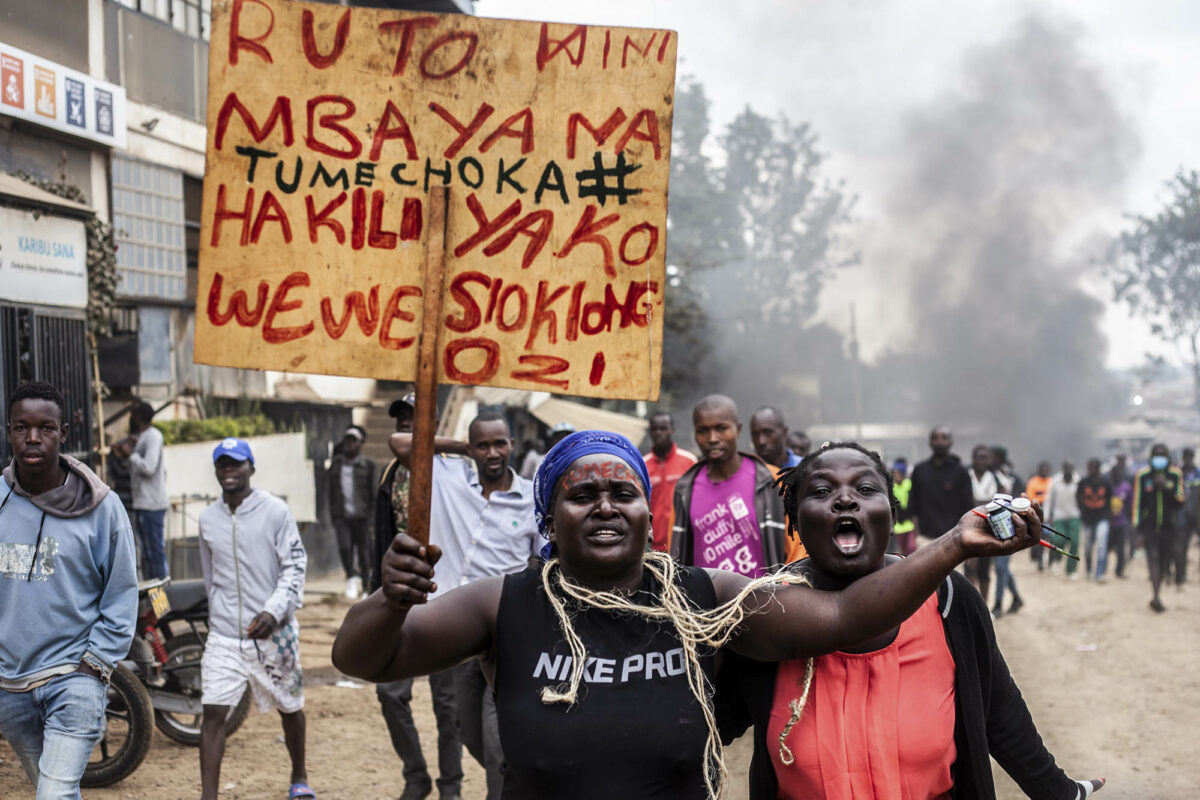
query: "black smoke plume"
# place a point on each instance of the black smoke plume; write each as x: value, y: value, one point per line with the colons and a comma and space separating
x: 987, y: 242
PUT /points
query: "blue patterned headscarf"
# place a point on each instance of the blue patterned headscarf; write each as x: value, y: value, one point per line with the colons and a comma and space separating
x: 566, y: 453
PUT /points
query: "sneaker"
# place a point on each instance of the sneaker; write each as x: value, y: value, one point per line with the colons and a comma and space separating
x: 352, y: 594
x: 1157, y: 605
x: 1016, y: 606
x: 1074, y: 576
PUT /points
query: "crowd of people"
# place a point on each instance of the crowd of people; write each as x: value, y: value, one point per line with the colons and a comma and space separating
x: 1112, y: 512
x: 664, y: 599
x: 640, y: 580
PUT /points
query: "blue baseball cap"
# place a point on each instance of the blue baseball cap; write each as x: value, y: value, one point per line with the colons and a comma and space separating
x: 237, y: 449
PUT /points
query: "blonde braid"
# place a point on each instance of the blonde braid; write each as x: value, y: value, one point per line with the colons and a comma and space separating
x: 696, y: 627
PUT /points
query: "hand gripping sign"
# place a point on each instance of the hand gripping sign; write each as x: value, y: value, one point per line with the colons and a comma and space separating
x: 330, y: 132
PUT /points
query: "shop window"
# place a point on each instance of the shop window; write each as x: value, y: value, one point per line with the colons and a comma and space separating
x: 193, y: 17
x: 147, y: 208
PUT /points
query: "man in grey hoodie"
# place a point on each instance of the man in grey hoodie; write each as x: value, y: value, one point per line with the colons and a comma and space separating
x: 253, y: 563
x: 144, y: 452
x: 68, y: 596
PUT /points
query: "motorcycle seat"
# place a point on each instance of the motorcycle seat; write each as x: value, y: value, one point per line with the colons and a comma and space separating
x: 186, y: 595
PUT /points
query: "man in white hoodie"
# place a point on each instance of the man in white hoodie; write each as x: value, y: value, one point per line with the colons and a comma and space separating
x: 68, y: 595
x: 253, y: 563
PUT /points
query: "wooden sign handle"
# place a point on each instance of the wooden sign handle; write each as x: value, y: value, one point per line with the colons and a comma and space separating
x: 420, y: 487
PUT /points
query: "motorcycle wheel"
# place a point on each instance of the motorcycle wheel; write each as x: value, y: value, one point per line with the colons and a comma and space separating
x: 126, y: 738
x: 183, y: 676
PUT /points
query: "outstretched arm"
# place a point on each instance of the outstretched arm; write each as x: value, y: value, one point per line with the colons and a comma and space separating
x: 394, y: 633
x: 797, y: 622
x: 401, y: 446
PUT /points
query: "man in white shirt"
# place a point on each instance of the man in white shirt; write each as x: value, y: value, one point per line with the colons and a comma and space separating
x: 1062, y: 511
x: 481, y: 517
x: 985, y: 484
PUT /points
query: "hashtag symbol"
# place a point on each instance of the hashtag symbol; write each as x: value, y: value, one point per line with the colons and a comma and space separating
x: 594, y: 182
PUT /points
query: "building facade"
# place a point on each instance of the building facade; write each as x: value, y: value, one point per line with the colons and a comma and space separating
x: 109, y: 97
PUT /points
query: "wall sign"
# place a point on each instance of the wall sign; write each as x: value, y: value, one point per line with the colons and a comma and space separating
x: 49, y: 94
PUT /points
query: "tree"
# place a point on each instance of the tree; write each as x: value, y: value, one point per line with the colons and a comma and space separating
x: 787, y: 219
x: 694, y: 244
x: 1157, y: 270
x: 753, y: 231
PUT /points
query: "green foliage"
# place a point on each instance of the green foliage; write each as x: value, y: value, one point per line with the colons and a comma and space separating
x: 101, y: 255
x: 1157, y: 269
x: 184, y: 431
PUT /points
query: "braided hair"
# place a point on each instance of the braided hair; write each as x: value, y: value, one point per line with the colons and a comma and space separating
x: 790, y: 480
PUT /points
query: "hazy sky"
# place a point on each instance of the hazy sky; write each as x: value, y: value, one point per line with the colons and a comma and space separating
x: 856, y: 69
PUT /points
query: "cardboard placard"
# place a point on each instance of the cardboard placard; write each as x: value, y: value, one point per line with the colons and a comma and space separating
x: 327, y: 127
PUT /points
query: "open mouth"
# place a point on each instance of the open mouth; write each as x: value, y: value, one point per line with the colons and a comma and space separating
x: 848, y: 536
x: 605, y: 535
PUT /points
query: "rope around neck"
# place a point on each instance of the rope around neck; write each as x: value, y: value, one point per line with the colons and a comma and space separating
x: 695, y: 627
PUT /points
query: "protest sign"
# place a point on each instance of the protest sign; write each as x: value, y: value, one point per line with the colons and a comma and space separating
x: 327, y: 128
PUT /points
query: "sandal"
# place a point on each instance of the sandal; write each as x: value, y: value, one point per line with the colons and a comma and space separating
x: 300, y: 790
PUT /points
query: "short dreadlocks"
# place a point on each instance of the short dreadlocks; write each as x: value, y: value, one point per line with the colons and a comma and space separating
x: 790, y: 480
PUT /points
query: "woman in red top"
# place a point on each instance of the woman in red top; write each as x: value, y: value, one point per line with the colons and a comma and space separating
x: 909, y: 715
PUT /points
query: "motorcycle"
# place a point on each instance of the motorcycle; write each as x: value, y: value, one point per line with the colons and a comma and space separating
x: 129, y: 717
x: 158, y: 683
x: 182, y: 630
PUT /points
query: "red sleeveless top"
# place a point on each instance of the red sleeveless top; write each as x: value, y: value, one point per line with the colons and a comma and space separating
x: 878, y: 726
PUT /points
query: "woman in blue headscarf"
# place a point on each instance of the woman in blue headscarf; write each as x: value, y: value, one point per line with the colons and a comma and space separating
x: 601, y: 660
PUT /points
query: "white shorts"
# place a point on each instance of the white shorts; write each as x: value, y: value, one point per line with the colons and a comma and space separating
x: 271, y: 666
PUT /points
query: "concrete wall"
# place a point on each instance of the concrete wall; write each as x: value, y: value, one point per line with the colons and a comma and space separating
x: 281, y: 468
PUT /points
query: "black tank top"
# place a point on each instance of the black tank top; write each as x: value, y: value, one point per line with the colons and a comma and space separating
x: 636, y: 731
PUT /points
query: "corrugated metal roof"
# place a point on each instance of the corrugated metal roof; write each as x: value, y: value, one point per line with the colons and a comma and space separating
x: 554, y: 410
x: 28, y: 194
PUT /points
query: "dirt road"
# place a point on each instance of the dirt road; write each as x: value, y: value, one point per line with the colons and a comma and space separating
x: 1114, y: 689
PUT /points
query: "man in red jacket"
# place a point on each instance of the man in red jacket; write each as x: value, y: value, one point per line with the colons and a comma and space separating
x: 665, y: 462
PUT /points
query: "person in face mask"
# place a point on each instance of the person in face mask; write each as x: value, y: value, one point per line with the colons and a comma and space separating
x: 1158, y: 494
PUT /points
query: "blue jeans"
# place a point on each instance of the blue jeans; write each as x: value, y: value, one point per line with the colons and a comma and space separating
x: 150, y: 535
x: 1095, y: 537
x: 53, y: 730
x: 1004, y: 579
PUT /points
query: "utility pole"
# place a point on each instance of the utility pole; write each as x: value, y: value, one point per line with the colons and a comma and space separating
x: 857, y: 377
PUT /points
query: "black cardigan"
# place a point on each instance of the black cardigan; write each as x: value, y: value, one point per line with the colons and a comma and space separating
x: 990, y: 714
